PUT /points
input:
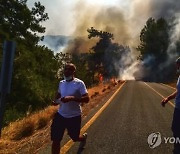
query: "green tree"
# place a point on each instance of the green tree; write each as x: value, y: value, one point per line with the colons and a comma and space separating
x: 154, y: 39
x: 101, y: 45
x: 154, y: 42
x: 81, y: 61
x: 34, y: 81
x: 97, y: 60
x: 83, y: 71
x: 18, y: 22
x: 35, y: 67
x: 62, y: 59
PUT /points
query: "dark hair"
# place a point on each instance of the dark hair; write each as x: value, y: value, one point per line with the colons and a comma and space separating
x: 71, y: 65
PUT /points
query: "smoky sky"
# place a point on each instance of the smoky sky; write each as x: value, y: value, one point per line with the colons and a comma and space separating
x: 124, y: 22
x: 65, y: 16
x: 165, y: 8
x: 125, y: 19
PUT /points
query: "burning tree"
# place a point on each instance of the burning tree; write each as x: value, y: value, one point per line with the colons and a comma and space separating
x: 105, y: 55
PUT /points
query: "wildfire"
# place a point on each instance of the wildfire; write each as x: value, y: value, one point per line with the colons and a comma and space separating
x: 101, y: 78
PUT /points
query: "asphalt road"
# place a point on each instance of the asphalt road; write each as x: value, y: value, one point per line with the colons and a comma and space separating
x: 127, y: 122
x: 124, y: 126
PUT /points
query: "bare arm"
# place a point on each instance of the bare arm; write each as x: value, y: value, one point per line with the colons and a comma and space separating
x: 57, y: 96
x: 172, y: 96
x: 165, y: 100
x: 84, y: 99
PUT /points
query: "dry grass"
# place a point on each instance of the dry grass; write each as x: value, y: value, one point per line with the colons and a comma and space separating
x: 104, y: 89
x: 173, y: 84
x: 26, y: 133
x: 26, y: 127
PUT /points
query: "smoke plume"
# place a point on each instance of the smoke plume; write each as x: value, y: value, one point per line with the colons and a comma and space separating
x: 125, y: 20
x: 55, y: 42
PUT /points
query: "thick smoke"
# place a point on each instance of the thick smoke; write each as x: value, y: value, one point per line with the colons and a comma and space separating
x: 125, y: 20
x: 129, y: 65
x: 113, y: 20
x: 79, y: 45
x: 103, y: 18
x: 168, y: 9
x: 174, y: 38
x: 164, y: 8
x: 55, y: 42
x: 126, y: 25
x: 166, y: 70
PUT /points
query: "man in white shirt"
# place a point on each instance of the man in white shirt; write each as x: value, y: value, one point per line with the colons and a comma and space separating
x: 176, y: 116
x: 71, y: 93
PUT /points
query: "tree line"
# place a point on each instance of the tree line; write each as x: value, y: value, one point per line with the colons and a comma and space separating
x: 34, y: 75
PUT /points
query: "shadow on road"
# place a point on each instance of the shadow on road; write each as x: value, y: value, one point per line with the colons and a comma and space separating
x: 80, y: 150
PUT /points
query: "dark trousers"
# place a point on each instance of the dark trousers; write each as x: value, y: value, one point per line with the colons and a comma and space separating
x: 60, y: 123
x: 176, y: 129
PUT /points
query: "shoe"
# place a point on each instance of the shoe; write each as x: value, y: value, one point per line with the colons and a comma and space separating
x: 83, y: 143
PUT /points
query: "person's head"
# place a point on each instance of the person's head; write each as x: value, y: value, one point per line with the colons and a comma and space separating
x: 69, y: 71
x: 178, y: 65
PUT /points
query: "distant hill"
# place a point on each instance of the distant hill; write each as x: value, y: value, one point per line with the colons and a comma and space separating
x: 55, y: 42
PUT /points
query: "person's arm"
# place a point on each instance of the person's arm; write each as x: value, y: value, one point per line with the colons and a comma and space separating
x: 57, y: 96
x: 165, y: 100
x: 84, y: 99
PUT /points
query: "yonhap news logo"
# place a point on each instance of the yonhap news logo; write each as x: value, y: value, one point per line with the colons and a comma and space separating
x: 155, y: 139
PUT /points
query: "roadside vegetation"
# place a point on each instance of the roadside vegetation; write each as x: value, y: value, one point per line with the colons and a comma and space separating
x: 37, y: 70
x: 32, y: 132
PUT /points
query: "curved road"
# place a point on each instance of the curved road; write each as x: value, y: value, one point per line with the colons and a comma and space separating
x: 124, y: 126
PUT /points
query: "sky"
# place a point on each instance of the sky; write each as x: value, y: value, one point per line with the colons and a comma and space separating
x: 63, y: 14
x: 124, y: 18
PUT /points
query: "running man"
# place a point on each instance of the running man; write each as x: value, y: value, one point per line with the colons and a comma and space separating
x: 71, y: 93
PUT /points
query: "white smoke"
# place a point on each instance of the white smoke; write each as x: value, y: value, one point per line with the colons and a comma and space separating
x: 174, y: 38
x: 128, y: 73
x: 128, y: 65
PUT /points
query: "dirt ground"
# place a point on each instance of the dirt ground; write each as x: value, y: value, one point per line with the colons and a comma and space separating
x: 41, y: 137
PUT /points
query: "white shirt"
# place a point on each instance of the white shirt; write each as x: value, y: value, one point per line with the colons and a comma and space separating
x: 75, y: 88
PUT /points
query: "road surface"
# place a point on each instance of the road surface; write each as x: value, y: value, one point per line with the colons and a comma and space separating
x: 133, y: 114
